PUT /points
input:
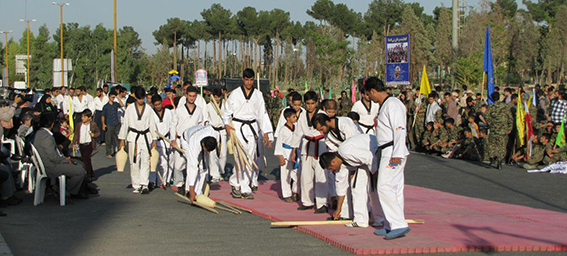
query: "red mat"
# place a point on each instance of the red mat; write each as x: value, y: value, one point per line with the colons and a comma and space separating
x: 452, y: 224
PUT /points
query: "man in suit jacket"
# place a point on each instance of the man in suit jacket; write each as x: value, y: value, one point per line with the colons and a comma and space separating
x: 86, y: 133
x: 55, y: 163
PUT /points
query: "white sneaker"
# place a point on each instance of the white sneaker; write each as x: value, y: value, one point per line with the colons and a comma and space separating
x: 136, y: 191
x: 356, y: 225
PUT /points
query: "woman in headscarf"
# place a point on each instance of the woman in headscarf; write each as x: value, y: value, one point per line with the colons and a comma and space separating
x: 45, y: 105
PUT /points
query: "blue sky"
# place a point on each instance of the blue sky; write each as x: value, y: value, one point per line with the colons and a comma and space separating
x: 147, y: 15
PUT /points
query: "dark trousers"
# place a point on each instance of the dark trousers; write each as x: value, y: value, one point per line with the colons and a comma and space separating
x: 111, y: 138
x: 98, y: 122
x: 86, y: 152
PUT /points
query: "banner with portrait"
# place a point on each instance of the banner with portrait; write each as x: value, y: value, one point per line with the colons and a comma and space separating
x: 398, y: 60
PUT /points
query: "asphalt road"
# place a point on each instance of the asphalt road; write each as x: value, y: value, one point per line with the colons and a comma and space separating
x: 121, y: 223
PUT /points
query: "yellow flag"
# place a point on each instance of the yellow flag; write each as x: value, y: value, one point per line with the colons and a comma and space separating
x: 520, y: 120
x: 424, y: 87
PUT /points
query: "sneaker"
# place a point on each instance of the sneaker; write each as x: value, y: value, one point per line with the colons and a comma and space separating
x: 446, y: 156
x: 397, y: 233
x: 323, y: 209
x: 136, y: 191
x: 356, y: 225
x: 254, y: 189
x: 215, y: 181
x: 235, y: 193
x: 247, y: 196
x: 303, y: 208
x: 174, y: 188
x: 381, y: 232
x: 288, y: 200
x: 145, y: 190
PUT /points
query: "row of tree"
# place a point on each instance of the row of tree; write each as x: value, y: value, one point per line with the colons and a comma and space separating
x: 528, y: 45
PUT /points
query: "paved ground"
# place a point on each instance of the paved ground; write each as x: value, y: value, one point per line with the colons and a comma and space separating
x: 120, y: 223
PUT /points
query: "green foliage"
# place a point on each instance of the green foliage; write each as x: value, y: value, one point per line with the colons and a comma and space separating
x: 468, y: 71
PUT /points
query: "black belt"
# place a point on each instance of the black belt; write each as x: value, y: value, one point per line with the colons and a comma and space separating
x: 249, y: 123
x: 314, y: 139
x: 140, y: 133
x: 368, y: 127
x: 161, y: 138
x: 219, y: 129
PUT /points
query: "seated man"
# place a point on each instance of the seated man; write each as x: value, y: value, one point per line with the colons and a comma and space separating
x: 7, y: 184
x: 537, y: 154
x: 55, y: 163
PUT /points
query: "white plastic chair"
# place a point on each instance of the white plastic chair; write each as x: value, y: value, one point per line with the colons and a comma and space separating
x: 25, y: 167
x: 42, y: 178
x: 11, y: 142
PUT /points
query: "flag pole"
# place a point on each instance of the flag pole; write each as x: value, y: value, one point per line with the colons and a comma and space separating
x: 482, y: 86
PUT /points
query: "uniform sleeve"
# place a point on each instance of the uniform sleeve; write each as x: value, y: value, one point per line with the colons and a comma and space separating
x: 201, y: 120
x: 356, y: 156
x: 279, y: 125
x: 278, y: 149
x: 153, y: 127
x: 228, y: 110
x: 397, y: 118
x: 264, y: 118
x: 173, y: 125
x: 124, y: 128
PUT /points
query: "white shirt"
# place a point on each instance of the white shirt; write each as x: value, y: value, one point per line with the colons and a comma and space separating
x: 121, y: 108
x: 212, y: 116
x: 187, y: 119
x: 431, y: 110
x: 85, y: 134
x: 391, y: 126
x: 99, y: 103
x: 367, y: 115
x: 80, y: 104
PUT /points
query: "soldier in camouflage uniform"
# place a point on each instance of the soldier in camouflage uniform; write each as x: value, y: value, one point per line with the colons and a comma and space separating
x: 419, y: 126
x: 483, y: 144
x: 426, y: 138
x: 537, y: 154
x: 273, y: 106
x: 438, y: 138
x: 345, y: 104
x: 468, y: 149
x: 500, y: 122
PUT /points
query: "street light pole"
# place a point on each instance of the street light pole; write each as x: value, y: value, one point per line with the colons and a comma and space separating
x: 28, y: 67
x: 6, y: 57
x: 115, y: 54
x: 61, y: 36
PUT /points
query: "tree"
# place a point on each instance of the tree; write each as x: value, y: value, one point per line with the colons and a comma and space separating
x: 383, y: 15
x: 171, y: 34
x: 443, y: 49
x: 218, y: 20
x: 322, y: 10
x: 508, y: 7
x: 43, y: 55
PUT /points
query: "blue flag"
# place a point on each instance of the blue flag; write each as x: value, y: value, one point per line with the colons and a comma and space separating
x: 488, y: 68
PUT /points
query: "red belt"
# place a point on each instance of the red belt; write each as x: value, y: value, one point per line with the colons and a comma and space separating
x: 316, y: 140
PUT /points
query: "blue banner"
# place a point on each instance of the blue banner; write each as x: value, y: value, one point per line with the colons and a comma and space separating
x: 398, y: 60
x: 488, y: 67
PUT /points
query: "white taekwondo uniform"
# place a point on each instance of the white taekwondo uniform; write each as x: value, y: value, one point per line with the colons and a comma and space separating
x: 284, y: 148
x: 313, y: 178
x: 197, y: 159
x: 367, y: 115
x: 185, y: 120
x: 139, y: 130
x: 218, y: 157
x: 392, y: 128
x: 345, y: 129
x: 166, y: 122
x: 359, y: 152
x: 248, y: 115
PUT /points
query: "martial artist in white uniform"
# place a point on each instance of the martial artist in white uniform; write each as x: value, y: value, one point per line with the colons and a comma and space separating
x: 188, y: 115
x: 337, y: 130
x: 312, y: 177
x: 367, y: 110
x: 391, y: 130
x: 196, y: 153
x: 199, y: 101
x: 296, y: 102
x: 139, y: 130
x: 166, y: 122
x: 246, y: 110
x: 283, y: 149
x: 218, y: 157
x: 358, y: 153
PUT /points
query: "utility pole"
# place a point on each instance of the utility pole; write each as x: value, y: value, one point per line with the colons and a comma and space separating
x: 115, y: 59
x: 28, y: 67
x: 61, y: 37
x: 455, y: 34
x: 6, y: 56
